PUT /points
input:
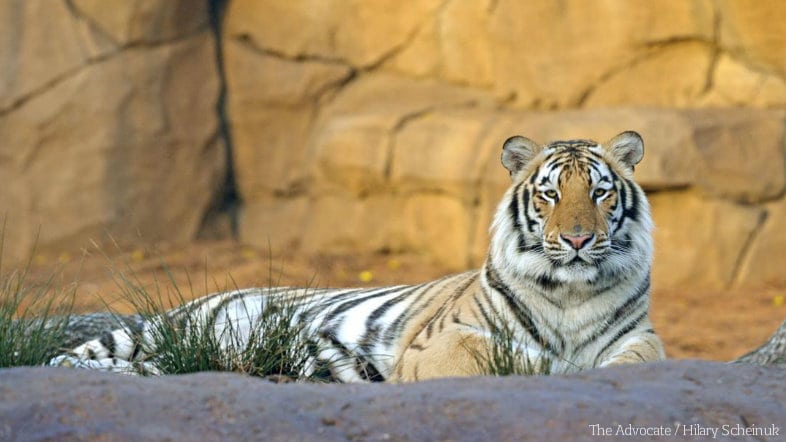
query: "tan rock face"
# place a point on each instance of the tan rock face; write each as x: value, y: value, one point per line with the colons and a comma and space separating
x: 368, y: 126
x: 273, y: 115
x: 124, y: 142
x: 763, y: 264
x: 550, y: 55
x: 146, y: 21
x: 440, y: 152
x: 701, y: 242
x: 355, y: 31
x: 753, y: 30
x: 741, y: 153
x: 55, y: 47
x: 737, y: 84
x: 431, y: 182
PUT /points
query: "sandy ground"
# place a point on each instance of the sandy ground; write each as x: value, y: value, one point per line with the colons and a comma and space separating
x: 716, y: 325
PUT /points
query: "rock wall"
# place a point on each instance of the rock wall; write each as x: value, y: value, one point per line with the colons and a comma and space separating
x: 360, y: 127
x: 107, y: 121
x: 378, y: 127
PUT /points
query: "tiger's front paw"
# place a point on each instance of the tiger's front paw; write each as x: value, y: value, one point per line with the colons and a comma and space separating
x: 64, y: 361
x: 112, y: 365
x: 624, y: 359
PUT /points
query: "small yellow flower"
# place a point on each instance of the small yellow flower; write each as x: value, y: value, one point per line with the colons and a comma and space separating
x: 366, y: 276
x: 138, y: 255
x: 64, y: 257
x: 393, y: 264
x: 249, y: 253
x: 778, y: 300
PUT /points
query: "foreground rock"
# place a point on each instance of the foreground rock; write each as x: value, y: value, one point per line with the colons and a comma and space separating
x: 60, y: 404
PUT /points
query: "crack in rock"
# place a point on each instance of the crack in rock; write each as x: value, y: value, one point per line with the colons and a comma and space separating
x: 746, y: 249
x: 89, y: 62
x: 402, y: 122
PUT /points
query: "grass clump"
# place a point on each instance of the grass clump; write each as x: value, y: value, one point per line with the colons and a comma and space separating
x: 254, y: 340
x: 506, y: 355
x: 34, y: 316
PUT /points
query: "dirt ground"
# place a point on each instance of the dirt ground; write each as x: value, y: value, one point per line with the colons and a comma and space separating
x: 716, y: 325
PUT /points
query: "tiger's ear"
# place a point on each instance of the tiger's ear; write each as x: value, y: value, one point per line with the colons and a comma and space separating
x: 627, y: 148
x: 517, y: 152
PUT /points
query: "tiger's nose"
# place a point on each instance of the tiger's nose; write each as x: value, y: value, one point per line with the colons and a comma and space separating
x: 577, y: 241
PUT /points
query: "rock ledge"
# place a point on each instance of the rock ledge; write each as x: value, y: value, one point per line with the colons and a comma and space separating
x: 60, y: 404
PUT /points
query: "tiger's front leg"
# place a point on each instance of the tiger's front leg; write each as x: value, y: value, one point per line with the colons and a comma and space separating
x: 456, y: 351
x: 634, y: 348
x: 449, y: 353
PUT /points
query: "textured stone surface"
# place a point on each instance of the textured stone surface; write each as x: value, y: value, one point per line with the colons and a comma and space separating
x: 441, y: 152
x: 701, y: 242
x: 378, y: 119
x: 742, y: 153
x: 47, y: 404
x: 751, y: 30
x: 356, y: 31
x: 147, y: 21
x: 737, y: 84
x: 763, y: 265
x: 107, y: 134
x: 671, y: 75
x: 417, y: 176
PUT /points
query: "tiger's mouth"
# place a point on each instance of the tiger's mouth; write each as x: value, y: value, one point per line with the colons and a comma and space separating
x: 578, y: 259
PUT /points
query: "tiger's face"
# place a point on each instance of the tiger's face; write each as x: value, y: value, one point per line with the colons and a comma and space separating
x: 573, y: 202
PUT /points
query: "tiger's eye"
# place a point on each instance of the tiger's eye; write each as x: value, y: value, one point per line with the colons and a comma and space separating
x: 551, y: 193
x: 599, y: 192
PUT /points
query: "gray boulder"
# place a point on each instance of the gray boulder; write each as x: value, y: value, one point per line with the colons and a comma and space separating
x: 667, y: 399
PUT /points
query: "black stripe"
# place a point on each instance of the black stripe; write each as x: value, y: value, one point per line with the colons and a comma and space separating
x: 632, y: 212
x: 357, y: 301
x: 394, y: 329
x: 639, y: 355
x: 533, y: 177
x: 625, y: 330
x: 382, y: 309
x: 108, y: 341
x: 373, y: 331
x: 548, y: 283
x: 525, y: 198
x: 369, y: 372
x: 489, y: 322
x: 514, y: 207
x: 515, y: 211
x: 521, y: 311
x: 364, y: 369
x: 494, y: 312
x: 447, y: 304
x: 623, y: 198
x: 622, y: 312
x: 313, y: 309
x: 626, y: 243
x: 367, y: 341
x: 221, y: 307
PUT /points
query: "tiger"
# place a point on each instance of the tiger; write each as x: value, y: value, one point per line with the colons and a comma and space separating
x: 567, y: 272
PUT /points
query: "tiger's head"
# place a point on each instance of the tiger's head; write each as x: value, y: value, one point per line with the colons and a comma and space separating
x: 573, y: 212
